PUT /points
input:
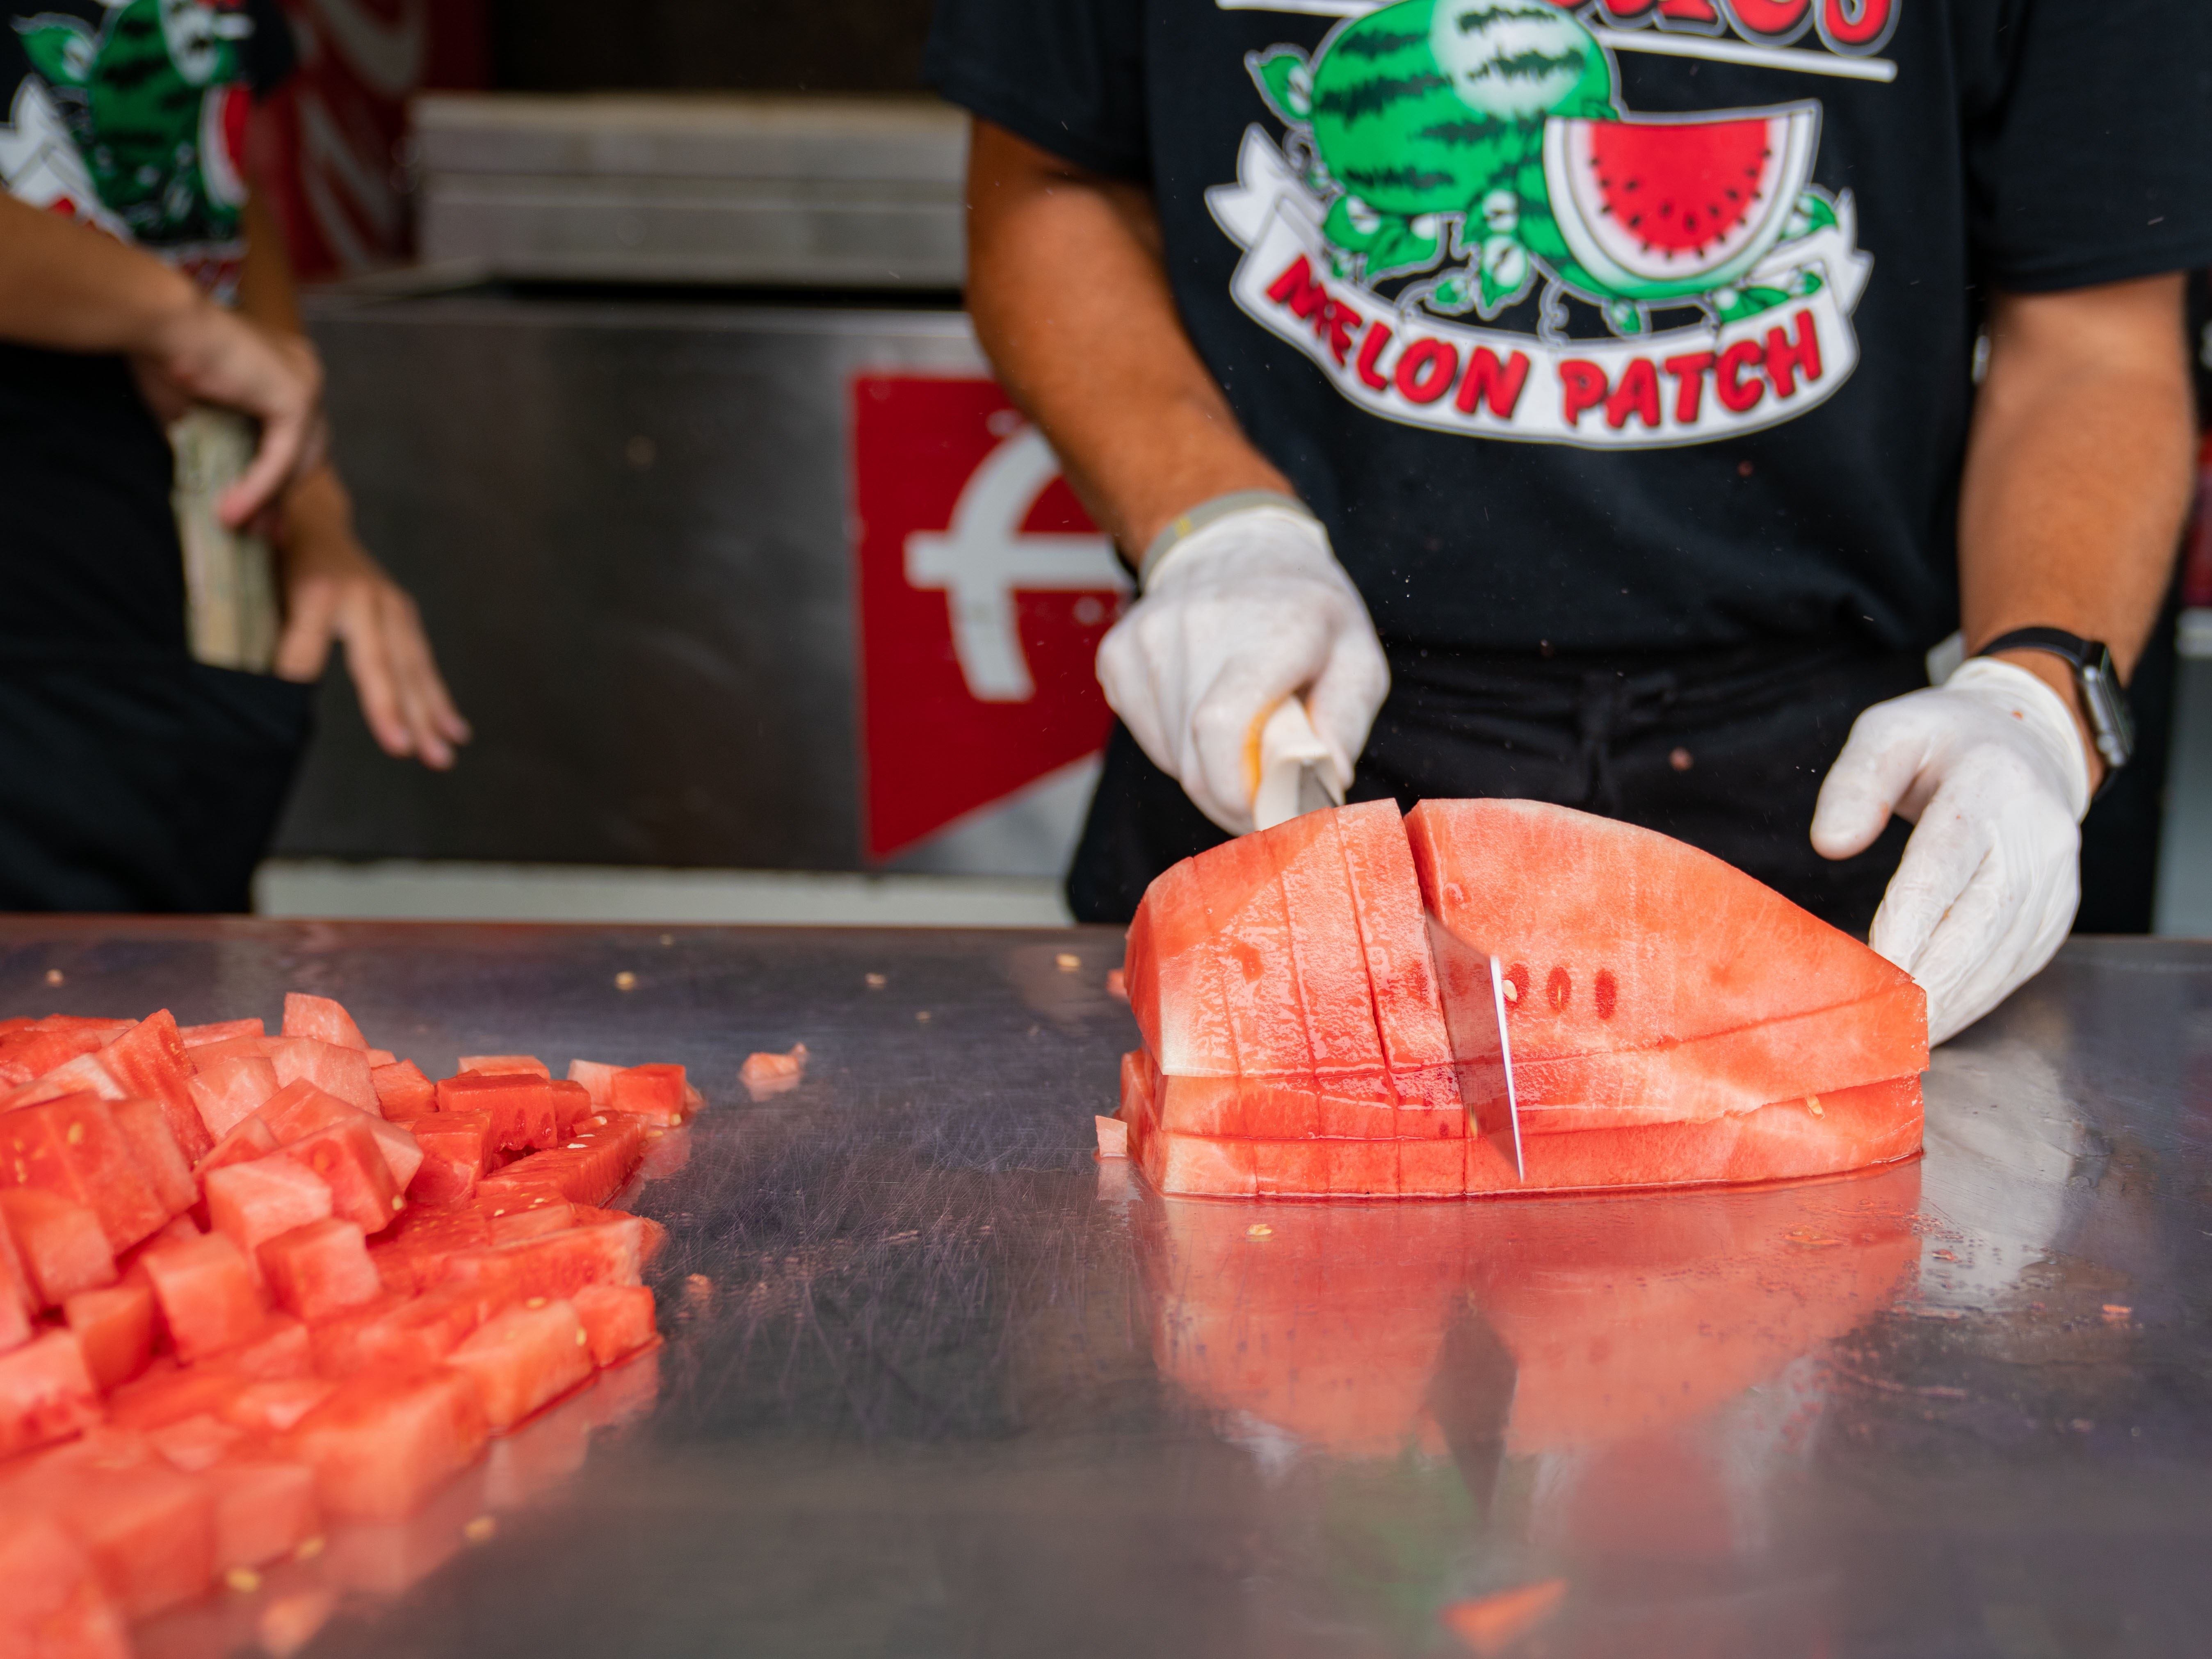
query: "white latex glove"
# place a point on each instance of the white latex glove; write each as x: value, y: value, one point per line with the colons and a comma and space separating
x: 1237, y: 616
x: 1991, y: 769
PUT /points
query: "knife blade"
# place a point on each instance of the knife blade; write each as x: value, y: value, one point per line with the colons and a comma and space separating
x: 1505, y: 1058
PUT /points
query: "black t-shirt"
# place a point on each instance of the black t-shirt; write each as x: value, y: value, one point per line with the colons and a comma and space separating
x: 1623, y: 326
x: 131, y: 117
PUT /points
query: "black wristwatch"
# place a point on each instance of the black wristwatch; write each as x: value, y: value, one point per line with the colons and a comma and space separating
x: 2103, y: 700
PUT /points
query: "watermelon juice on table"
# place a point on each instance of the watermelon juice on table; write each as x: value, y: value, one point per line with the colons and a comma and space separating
x: 1321, y: 1014
x: 314, y: 1303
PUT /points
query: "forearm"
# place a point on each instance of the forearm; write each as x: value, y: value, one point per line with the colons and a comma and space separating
x: 1072, y: 304
x: 2078, y: 470
x: 70, y: 288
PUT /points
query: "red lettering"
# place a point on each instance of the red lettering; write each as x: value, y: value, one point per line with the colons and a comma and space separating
x: 1638, y: 394
x: 1425, y: 369
x: 1297, y: 288
x: 1857, y: 27
x: 1689, y: 372
x: 1785, y: 360
x: 1770, y: 20
x: 1378, y: 335
x: 1628, y: 9
x: 1727, y: 380
x: 1701, y: 16
x: 1338, y: 328
x: 1582, y: 387
x: 1499, y: 382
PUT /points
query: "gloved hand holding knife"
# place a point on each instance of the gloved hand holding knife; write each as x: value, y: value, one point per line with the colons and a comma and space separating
x: 1243, y: 608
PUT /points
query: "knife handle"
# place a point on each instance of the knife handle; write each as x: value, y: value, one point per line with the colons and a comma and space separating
x: 1287, y: 745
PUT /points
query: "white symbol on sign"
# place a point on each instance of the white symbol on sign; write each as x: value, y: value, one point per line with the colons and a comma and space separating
x: 987, y: 557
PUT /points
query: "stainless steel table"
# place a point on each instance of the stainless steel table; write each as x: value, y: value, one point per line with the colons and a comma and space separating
x: 936, y: 1381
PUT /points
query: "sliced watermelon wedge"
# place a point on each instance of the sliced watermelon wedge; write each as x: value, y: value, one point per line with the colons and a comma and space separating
x: 1658, y: 206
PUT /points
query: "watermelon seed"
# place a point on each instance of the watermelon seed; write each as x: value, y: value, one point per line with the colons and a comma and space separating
x: 1259, y: 1229
x: 480, y: 1531
x: 581, y: 1339
x: 53, y: 976
x: 77, y: 1132
x: 244, y: 1580
x: 309, y: 1548
x: 625, y: 981
x: 1813, y: 1105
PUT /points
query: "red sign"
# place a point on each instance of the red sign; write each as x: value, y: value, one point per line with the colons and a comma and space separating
x: 983, y: 590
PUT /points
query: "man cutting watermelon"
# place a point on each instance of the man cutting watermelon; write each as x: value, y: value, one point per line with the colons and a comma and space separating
x: 1617, y: 405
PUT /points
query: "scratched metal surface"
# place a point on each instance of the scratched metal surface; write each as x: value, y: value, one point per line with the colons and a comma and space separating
x: 936, y: 1382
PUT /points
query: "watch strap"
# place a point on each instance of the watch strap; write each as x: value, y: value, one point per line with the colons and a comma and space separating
x: 2103, y: 700
x: 2082, y: 653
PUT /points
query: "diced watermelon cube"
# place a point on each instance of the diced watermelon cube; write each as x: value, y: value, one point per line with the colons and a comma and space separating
x: 144, y: 1126
x: 320, y: 1270
x: 268, y: 1409
x: 228, y: 1092
x: 501, y: 1064
x: 598, y: 1078
x: 385, y: 1441
x: 343, y: 1073
x: 46, y: 1394
x: 221, y: 1031
x: 73, y: 1148
x: 53, y: 1605
x: 379, y: 1058
x: 61, y: 1245
x: 149, y: 1060
x: 402, y: 1091
x: 655, y: 1093
x: 572, y: 1104
x: 114, y: 1331
x: 525, y: 1358
x: 206, y: 1294
x: 264, y: 1510
x: 169, y: 1392
x: 253, y: 1203
x: 209, y: 1056
x: 520, y: 1105
x: 558, y: 1264
x: 618, y: 1319
x: 348, y: 1157
x: 323, y: 1020
x: 149, y: 1528
x: 300, y: 1109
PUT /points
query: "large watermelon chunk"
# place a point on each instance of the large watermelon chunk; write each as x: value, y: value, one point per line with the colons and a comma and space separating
x: 386, y: 1440
x: 1654, y: 207
x: 73, y: 1149
x: 1291, y: 969
x: 1648, y: 982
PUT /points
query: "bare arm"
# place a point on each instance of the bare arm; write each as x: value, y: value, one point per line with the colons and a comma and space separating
x: 70, y: 288
x: 2077, y: 475
x: 1070, y: 298
x: 334, y: 588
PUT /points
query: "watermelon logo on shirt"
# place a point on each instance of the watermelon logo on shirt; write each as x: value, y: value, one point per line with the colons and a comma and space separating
x: 154, y: 103
x: 1450, y: 165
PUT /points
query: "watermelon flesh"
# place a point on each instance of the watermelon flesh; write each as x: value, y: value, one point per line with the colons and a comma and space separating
x: 1319, y: 1019
x: 222, y: 1449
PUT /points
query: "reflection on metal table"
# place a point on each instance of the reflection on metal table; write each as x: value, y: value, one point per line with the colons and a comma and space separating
x: 937, y: 1382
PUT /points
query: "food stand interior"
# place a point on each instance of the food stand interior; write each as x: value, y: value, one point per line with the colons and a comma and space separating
x: 935, y: 1380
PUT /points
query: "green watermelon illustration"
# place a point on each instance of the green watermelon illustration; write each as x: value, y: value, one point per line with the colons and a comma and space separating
x: 1430, y: 108
x: 1502, y: 118
x: 1669, y: 207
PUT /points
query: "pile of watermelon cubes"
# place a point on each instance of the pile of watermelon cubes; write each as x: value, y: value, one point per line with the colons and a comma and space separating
x: 252, y: 1286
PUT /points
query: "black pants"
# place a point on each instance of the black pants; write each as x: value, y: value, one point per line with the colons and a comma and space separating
x: 137, y: 780
x: 1725, y: 750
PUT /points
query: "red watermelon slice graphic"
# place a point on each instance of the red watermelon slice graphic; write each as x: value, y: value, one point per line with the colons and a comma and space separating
x: 1655, y: 207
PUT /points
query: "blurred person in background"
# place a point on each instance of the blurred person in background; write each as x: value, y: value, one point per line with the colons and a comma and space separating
x: 138, y: 281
